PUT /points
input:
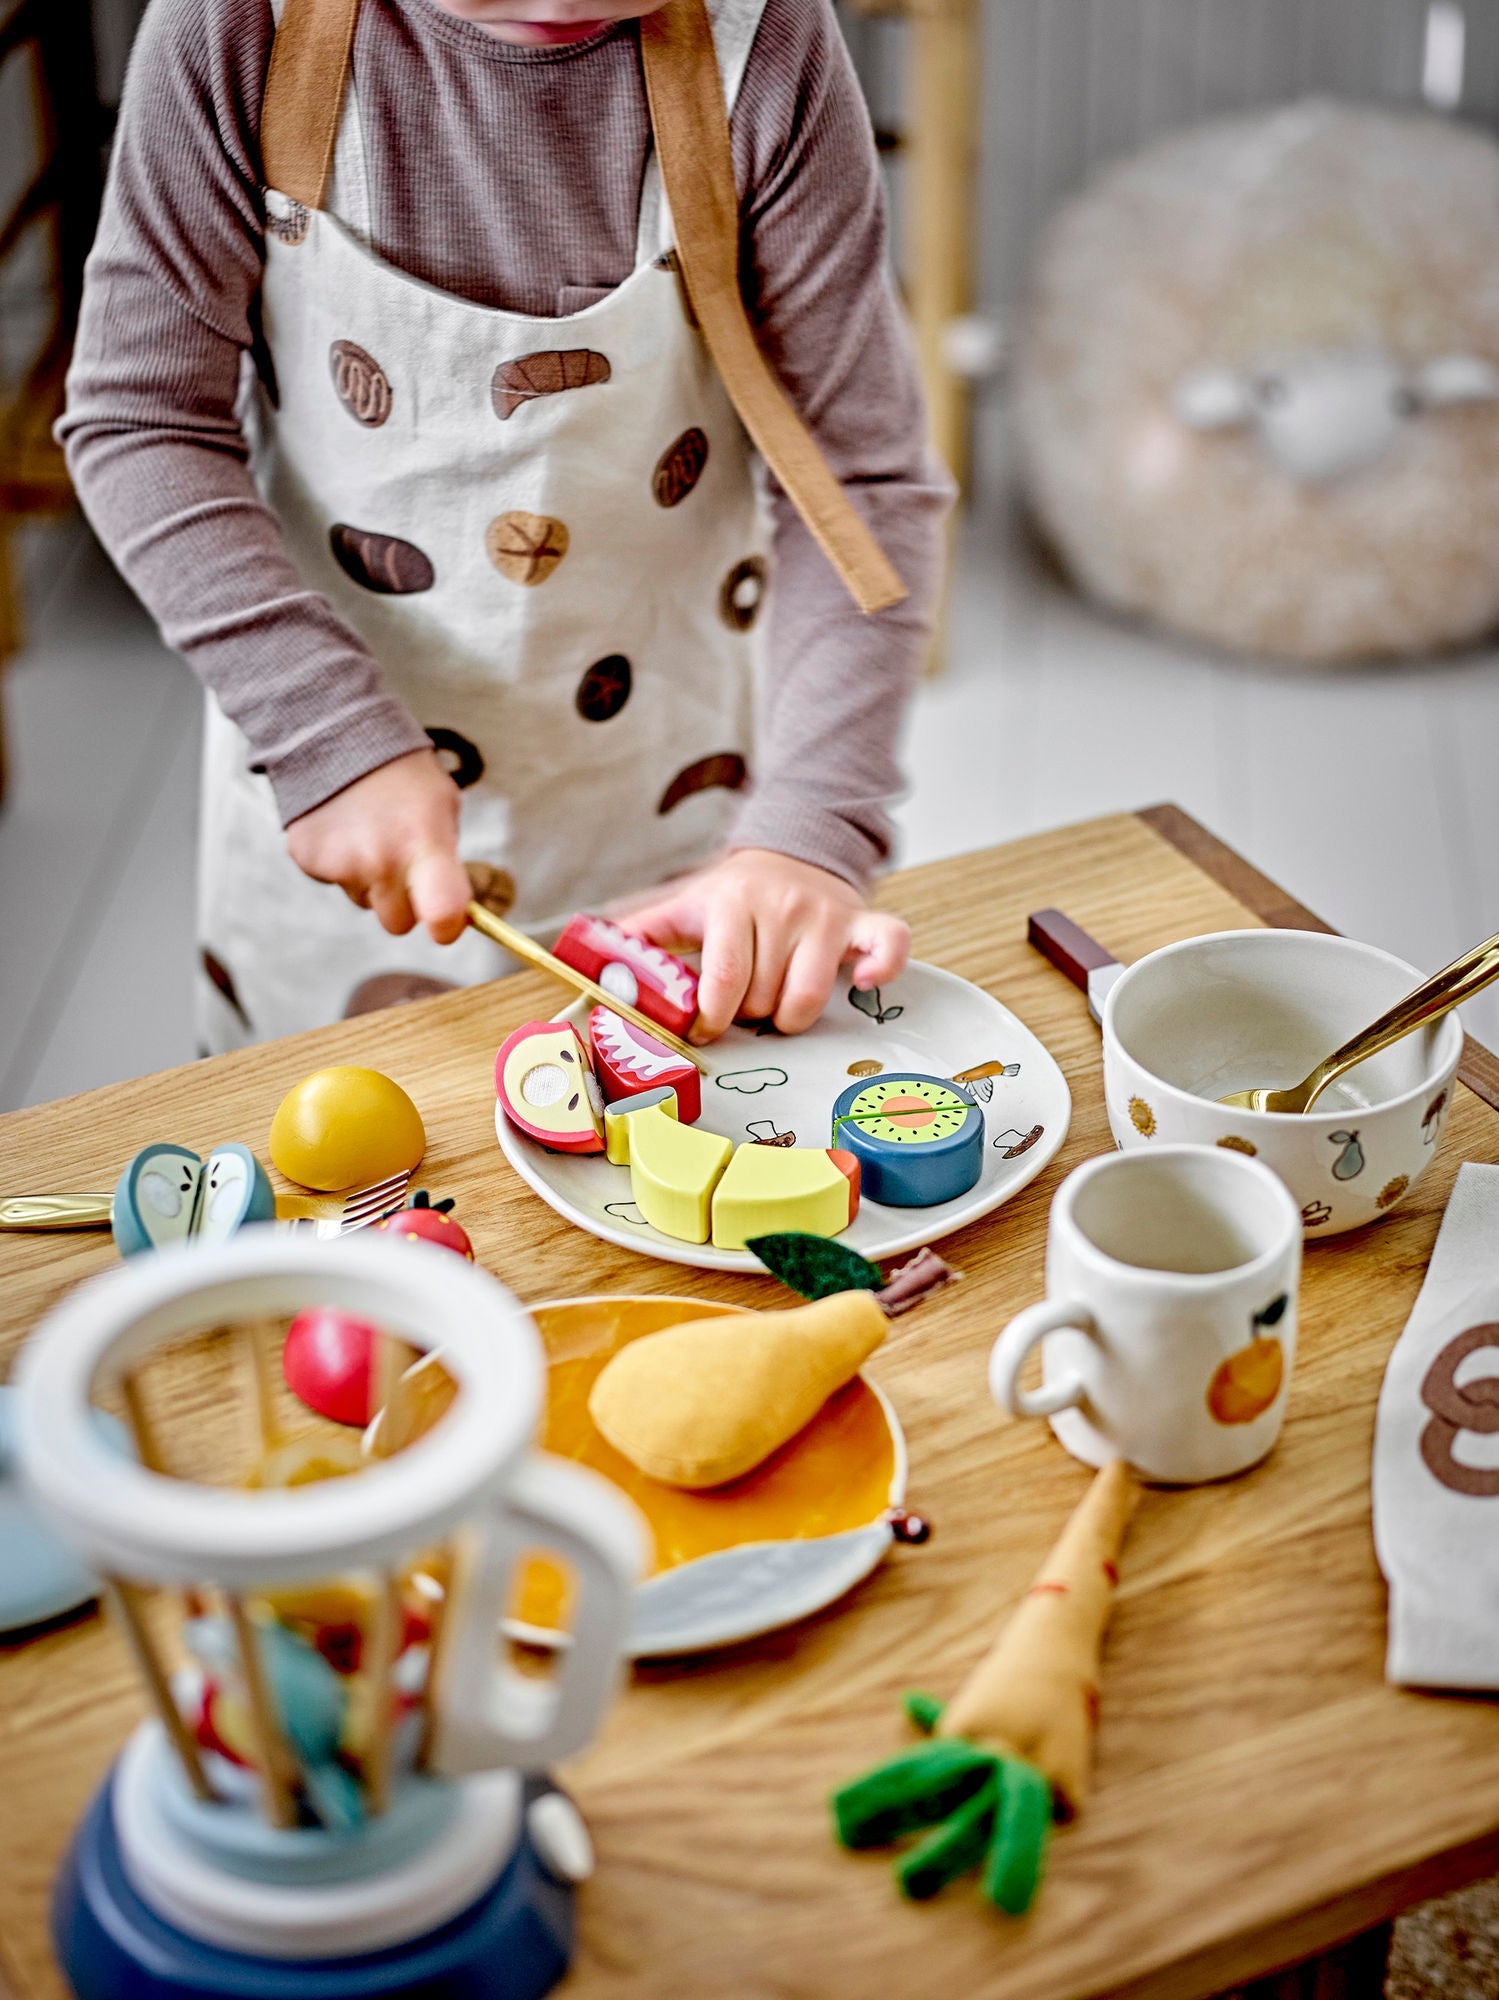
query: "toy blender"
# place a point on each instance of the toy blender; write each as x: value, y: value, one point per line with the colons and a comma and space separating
x: 341, y: 1791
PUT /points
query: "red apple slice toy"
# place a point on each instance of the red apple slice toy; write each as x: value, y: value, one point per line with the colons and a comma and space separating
x: 629, y: 1062
x: 547, y: 1089
x: 640, y: 974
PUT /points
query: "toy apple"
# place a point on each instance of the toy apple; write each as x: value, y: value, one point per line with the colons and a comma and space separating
x: 640, y: 974
x: 327, y: 1361
x: 629, y: 1061
x: 428, y: 1221
x: 547, y: 1088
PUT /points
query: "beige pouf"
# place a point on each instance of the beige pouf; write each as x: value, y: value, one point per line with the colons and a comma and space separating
x: 1258, y: 387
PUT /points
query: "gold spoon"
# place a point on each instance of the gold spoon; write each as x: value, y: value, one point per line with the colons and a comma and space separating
x: 1427, y: 1002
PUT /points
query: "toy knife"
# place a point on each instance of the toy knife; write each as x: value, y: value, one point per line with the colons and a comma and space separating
x: 1085, y: 961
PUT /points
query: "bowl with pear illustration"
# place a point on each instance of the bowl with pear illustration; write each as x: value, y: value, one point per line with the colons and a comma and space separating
x: 1194, y: 1021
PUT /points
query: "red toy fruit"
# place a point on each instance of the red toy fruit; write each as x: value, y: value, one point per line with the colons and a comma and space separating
x: 543, y: 1077
x: 641, y: 974
x: 628, y: 1062
x: 429, y: 1222
x: 326, y: 1362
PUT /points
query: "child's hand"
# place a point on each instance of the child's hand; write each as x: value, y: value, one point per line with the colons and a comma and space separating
x: 773, y: 933
x: 390, y: 842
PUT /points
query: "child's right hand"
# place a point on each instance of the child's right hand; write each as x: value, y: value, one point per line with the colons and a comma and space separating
x: 390, y: 842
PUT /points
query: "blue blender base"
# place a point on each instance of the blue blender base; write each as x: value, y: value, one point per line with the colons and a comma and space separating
x: 515, y: 1943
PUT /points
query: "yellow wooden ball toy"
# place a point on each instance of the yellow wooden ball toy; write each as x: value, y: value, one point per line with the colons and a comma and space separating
x: 345, y: 1127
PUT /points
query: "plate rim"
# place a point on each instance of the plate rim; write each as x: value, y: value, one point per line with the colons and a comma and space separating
x: 704, y: 1256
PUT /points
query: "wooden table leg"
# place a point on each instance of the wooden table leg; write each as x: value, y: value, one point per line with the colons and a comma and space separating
x: 1352, y: 1971
x: 942, y: 146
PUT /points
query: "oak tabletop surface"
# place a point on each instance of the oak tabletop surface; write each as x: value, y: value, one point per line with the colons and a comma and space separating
x: 1261, y: 1792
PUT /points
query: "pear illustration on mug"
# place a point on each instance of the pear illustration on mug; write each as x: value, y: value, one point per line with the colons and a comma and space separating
x: 1247, y: 1383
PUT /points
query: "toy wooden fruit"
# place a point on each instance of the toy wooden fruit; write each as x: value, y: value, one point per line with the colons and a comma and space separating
x: 345, y: 1127
x: 641, y: 974
x: 428, y: 1221
x: 705, y: 1402
x: 918, y: 1140
x: 167, y: 1194
x: 547, y: 1088
x: 674, y: 1168
x: 629, y: 1062
x: 767, y: 1190
x: 1247, y: 1383
x: 327, y: 1361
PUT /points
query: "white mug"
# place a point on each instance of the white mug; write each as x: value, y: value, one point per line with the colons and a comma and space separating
x: 1169, y: 1327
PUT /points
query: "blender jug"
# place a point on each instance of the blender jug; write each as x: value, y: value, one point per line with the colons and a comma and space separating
x: 339, y: 1791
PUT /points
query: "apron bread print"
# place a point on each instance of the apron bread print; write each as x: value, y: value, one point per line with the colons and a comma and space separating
x: 743, y: 591
x: 458, y: 757
x: 527, y: 547
x: 604, y: 689
x: 679, y: 469
x: 362, y: 385
x: 725, y: 770
x: 482, y: 534
x: 545, y: 374
x: 382, y: 563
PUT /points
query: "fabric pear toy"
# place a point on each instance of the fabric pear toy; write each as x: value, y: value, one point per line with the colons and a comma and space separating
x: 705, y: 1402
x: 1012, y: 1748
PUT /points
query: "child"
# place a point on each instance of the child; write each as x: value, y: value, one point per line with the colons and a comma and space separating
x: 490, y: 589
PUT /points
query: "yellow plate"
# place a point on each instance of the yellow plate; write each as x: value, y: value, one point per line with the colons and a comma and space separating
x: 772, y: 1547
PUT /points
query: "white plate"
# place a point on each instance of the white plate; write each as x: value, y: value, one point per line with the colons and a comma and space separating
x: 744, y: 1588
x: 933, y: 1023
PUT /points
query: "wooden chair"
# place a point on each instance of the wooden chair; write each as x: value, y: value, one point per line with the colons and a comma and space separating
x: 55, y: 39
x: 938, y: 148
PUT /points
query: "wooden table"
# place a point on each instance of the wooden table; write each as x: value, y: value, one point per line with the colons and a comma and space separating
x: 1261, y: 1792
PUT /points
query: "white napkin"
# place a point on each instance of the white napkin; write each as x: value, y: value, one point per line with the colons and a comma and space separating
x: 1436, y: 1457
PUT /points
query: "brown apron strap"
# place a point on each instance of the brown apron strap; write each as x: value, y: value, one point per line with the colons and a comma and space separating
x: 304, y: 96
x: 692, y: 142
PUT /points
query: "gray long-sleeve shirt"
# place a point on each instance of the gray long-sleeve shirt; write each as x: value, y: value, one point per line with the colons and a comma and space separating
x: 510, y: 176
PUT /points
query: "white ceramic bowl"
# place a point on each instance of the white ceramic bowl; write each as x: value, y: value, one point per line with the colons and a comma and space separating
x: 1196, y: 1020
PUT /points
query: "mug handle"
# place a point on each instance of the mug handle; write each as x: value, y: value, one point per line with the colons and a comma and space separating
x: 488, y: 1715
x: 1007, y: 1358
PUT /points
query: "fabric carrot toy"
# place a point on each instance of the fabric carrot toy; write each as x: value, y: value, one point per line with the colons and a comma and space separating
x: 1011, y: 1750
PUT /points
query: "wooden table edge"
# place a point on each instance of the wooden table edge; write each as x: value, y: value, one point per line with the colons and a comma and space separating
x: 1479, y: 1068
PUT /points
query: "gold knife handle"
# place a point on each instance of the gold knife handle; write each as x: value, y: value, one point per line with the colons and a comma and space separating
x: 56, y: 1211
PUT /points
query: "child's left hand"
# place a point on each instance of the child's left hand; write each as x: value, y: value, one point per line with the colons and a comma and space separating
x: 773, y: 933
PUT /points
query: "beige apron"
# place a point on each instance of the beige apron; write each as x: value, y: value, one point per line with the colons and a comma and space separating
x: 546, y: 530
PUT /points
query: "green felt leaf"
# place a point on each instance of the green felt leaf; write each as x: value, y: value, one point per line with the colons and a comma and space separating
x: 923, y: 1709
x: 914, y: 1790
x: 1017, y: 1855
x: 814, y: 1266
x: 957, y: 1845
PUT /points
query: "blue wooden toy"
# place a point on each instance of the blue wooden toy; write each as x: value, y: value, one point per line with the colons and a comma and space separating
x: 918, y: 1139
x: 168, y: 1194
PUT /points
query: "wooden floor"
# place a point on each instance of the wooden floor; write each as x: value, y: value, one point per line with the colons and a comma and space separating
x: 1370, y: 793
